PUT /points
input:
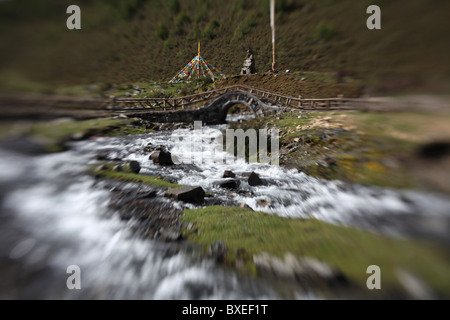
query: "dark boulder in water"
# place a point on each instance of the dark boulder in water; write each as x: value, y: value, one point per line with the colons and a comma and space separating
x: 228, y: 183
x: 254, y: 180
x: 186, y: 194
x: 162, y: 157
x: 229, y: 174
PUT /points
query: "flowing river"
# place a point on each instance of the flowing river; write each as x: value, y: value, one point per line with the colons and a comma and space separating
x: 54, y: 215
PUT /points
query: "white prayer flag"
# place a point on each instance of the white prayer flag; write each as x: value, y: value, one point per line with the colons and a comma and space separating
x: 272, y: 19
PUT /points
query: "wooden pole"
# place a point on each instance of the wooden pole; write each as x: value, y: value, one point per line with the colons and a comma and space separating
x: 272, y: 24
x: 198, y: 61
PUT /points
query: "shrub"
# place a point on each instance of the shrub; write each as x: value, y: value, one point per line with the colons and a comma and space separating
x: 249, y: 22
x: 180, y: 21
x: 211, y: 29
x: 168, y: 44
x: 241, y: 6
x: 162, y: 31
x: 202, y: 15
x: 174, y: 6
x: 243, y: 28
x: 203, y: 3
x: 324, y: 31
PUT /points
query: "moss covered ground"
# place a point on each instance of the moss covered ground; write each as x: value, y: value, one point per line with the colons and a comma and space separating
x: 246, y: 233
x: 107, y: 171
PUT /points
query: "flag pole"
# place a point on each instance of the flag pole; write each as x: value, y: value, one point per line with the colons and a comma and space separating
x: 272, y: 24
x: 198, y: 61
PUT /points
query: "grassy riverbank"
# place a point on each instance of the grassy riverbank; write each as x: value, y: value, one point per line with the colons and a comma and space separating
x: 247, y: 233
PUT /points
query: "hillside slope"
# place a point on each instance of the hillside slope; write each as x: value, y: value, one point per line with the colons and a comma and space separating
x: 143, y: 40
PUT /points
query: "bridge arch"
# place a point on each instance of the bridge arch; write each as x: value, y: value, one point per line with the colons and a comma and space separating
x: 215, y: 112
x: 222, y: 104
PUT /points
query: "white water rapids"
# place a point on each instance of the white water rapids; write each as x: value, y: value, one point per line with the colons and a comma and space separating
x: 54, y: 215
x: 290, y: 193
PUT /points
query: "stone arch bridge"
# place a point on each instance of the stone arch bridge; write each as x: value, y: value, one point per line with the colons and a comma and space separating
x: 214, y: 112
x: 217, y: 103
x: 210, y: 107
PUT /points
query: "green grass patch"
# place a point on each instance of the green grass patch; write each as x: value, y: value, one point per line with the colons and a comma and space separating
x: 351, y: 250
x: 109, y: 173
x: 8, y: 129
x: 64, y: 129
x: 127, y: 130
x: 406, y: 127
x: 56, y: 134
